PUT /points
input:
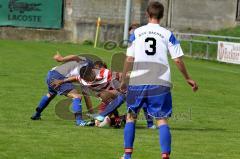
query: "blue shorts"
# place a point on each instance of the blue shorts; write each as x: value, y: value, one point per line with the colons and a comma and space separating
x: 156, y: 98
x: 63, y: 89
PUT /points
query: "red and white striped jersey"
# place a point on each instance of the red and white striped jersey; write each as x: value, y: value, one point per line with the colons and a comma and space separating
x: 105, y: 80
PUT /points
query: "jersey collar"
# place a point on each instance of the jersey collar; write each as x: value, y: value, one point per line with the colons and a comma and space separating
x: 153, y: 24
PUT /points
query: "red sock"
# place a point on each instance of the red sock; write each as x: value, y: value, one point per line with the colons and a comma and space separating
x: 165, y: 156
x: 101, y: 107
x: 128, y: 152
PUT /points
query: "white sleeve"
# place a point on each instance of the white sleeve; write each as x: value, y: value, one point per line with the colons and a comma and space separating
x: 131, y: 50
x: 174, y: 47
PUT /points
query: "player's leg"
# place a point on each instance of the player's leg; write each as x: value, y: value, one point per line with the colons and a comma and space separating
x: 109, y: 108
x: 135, y: 100
x: 116, y: 120
x: 106, y: 97
x: 68, y: 90
x: 106, y: 108
x: 42, y: 105
x: 45, y: 99
x: 110, y: 102
x: 160, y: 107
x: 101, y: 107
x: 129, y: 135
x: 164, y: 137
x: 114, y: 104
x: 77, y: 107
x: 148, y: 118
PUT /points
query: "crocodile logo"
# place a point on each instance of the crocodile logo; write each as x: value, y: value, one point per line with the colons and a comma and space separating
x: 22, y: 7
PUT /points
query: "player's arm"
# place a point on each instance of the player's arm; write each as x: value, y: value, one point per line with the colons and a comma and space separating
x: 59, y: 58
x: 181, y: 66
x: 176, y: 53
x: 88, y: 102
x: 57, y: 83
x: 87, y: 99
x: 127, y: 68
x: 128, y: 64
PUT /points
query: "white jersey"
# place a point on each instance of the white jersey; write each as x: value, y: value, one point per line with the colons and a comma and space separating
x: 150, y: 46
x: 71, y: 68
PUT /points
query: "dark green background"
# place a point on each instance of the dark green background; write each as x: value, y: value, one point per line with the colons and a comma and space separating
x: 49, y: 13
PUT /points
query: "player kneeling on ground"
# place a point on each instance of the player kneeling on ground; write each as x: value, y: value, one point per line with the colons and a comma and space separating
x: 101, y: 81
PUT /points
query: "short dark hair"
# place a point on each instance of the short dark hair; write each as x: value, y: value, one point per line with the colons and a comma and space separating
x: 133, y: 26
x: 155, y: 10
x: 100, y: 64
x: 86, y: 72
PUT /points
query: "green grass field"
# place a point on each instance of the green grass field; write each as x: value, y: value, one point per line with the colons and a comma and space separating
x: 205, y: 124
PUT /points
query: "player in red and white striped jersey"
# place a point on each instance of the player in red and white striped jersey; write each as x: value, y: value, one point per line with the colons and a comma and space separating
x: 105, y: 80
x: 108, y: 96
x: 104, y: 83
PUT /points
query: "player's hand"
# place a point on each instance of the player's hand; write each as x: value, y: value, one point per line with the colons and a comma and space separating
x: 193, y: 84
x: 58, y: 57
x: 56, y: 83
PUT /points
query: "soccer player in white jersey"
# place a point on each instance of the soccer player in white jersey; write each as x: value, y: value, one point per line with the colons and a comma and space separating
x: 150, y: 81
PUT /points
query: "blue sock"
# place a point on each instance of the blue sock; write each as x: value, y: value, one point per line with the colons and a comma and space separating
x: 129, y: 135
x: 43, y: 103
x: 77, y: 108
x: 165, y: 139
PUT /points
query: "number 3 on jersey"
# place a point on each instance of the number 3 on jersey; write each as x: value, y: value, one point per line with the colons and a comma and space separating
x: 151, y: 42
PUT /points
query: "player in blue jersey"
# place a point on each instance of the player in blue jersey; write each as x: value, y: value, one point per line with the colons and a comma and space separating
x: 150, y: 81
x: 61, y: 72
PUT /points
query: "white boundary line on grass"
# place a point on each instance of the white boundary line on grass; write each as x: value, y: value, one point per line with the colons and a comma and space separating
x: 222, y: 70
